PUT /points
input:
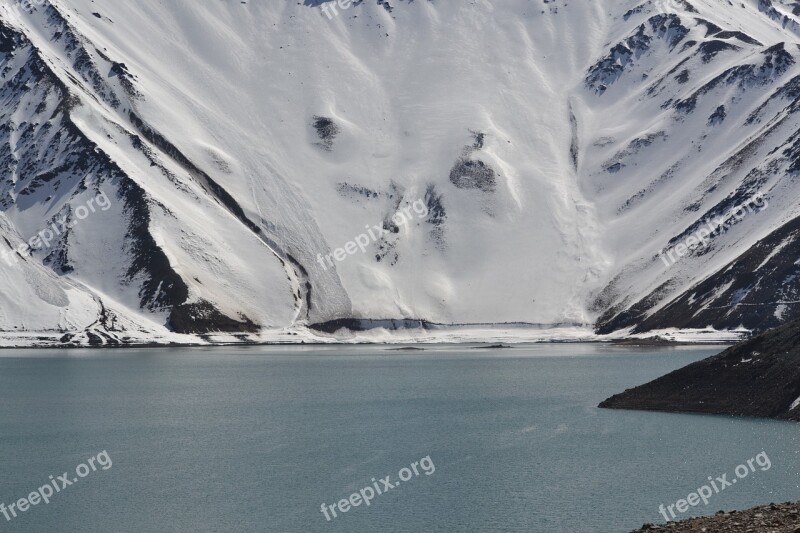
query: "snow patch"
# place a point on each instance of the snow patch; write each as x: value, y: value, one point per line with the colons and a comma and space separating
x: 795, y: 405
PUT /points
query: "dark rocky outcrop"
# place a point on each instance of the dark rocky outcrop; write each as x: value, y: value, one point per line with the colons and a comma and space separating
x: 360, y: 324
x: 759, y: 377
x: 473, y: 174
x: 327, y: 130
x: 203, y: 317
x: 775, y: 518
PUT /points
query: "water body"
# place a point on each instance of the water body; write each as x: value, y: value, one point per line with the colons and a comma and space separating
x: 256, y: 439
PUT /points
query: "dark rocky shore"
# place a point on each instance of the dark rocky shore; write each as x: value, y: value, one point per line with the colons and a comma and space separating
x: 759, y: 377
x: 772, y: 518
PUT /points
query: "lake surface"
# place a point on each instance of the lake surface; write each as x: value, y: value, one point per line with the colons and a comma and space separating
x: 257, y: 438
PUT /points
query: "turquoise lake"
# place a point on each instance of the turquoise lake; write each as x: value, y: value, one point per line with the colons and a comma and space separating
x: 258, y: 438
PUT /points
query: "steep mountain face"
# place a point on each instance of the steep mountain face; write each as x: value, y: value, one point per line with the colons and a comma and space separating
x: 180, y: 168
x: 148, y: 251
x: 710, y: 100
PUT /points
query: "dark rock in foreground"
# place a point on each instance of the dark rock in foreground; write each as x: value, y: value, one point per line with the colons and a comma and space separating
x: 759, y: 377
x: 777, y: 518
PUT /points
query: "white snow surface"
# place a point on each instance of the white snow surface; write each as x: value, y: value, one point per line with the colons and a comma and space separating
x: 235, y: 86
x: 794, y: 404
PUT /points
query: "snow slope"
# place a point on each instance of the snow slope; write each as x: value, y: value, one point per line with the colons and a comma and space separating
x: 557, y: 147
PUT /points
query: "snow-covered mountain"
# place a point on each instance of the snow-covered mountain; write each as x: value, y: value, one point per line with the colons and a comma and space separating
x: 505, y: 161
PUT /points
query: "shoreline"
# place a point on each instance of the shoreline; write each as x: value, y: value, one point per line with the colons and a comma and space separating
x: 457, y: 334
x: 395, y: 345
x: 772, y: 517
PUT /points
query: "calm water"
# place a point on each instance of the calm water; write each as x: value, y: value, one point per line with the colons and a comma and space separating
x: 256, y: 439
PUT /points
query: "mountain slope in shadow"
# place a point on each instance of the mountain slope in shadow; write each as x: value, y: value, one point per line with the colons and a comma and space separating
x: 759, y: 377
